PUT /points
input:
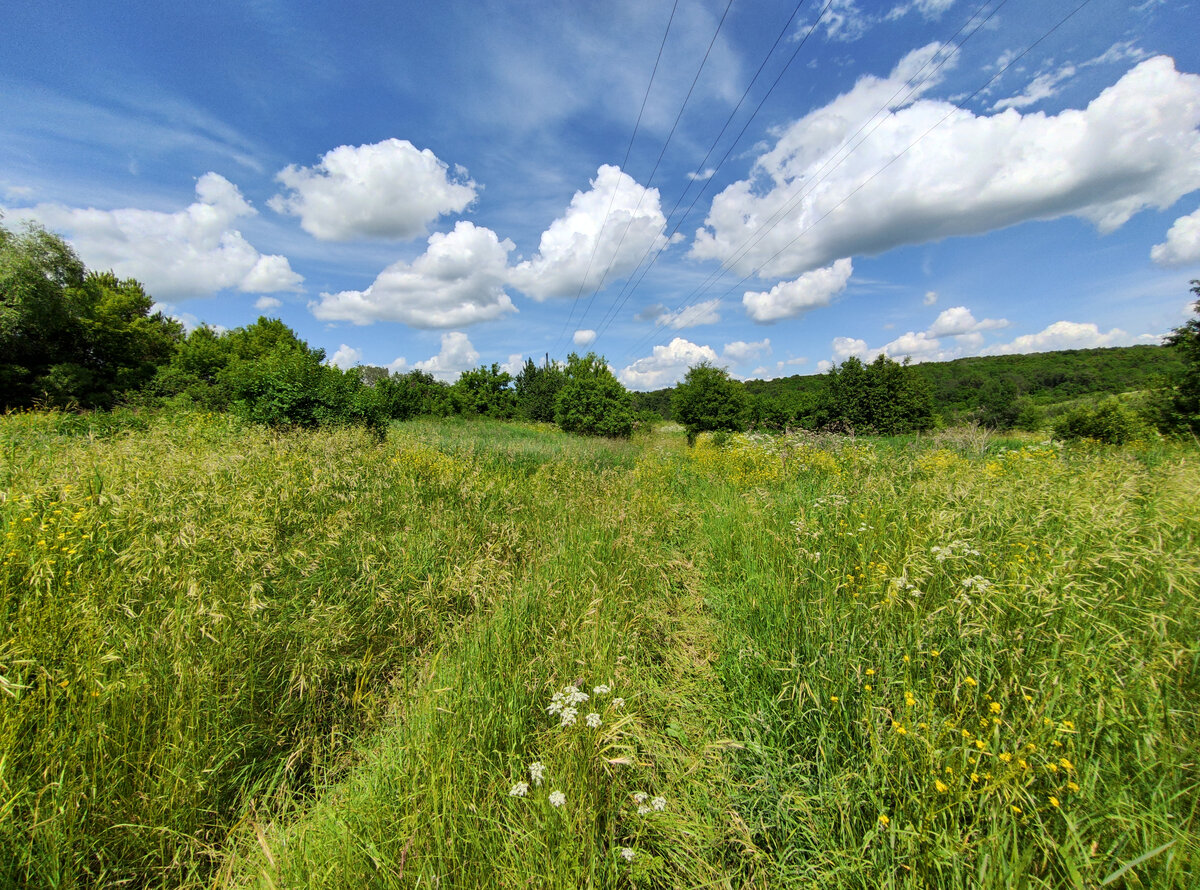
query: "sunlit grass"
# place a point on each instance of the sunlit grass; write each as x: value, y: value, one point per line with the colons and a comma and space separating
x: 236, y: 657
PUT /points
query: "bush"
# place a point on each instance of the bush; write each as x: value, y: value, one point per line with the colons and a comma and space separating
x: 708, y: 400
x: 592, y: 402
x: 1110, y: 422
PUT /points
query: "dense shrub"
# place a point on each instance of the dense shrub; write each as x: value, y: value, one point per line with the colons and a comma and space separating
x: 884, y: 397
x: 708, y: 400
x: 1109, y: 422
x: 592, y: 402
x: 537, y: 388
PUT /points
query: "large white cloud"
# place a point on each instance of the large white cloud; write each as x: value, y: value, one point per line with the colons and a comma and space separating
x: 456, y: 355
x: 389, y: 189
x: 459, y: 280
x: 1068, y: 335
x: 1135, y: 146
x: 957, y: 323
x: 346, y: 357
x: 190, y: 253
x: 740, y: 351
x: 589, y: 240
x: 1182, y: 244
x: 791, y: 298
x: 666, y: 364
x: 706, y: 312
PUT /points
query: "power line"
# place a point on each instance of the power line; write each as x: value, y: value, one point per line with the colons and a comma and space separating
x: 810, y: 184
x: 629, y: 148
x: 661, y: 154
x: 631, y: 284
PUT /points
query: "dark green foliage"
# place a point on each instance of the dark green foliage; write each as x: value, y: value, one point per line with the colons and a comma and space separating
x: 69, y: 337
x: 537, y: 388
x: 1109, y: 422
x: 415, y: 394
x: 884, y: 397
x: 485, y: 391
x: 592, y: 402
x: 1183, y: 403
x: 707, y: 399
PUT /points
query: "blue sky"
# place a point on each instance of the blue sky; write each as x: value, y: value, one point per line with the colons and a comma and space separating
x: 442, y: 185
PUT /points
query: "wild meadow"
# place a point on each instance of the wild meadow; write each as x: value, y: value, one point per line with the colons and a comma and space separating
x: 494, y: 654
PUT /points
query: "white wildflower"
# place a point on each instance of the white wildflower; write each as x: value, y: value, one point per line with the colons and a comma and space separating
x: 557, y: 798
x: 643, y: 811
x: 593, y: 720
x: 659, y: 804
x: 567, y: 718
x: 537, y: 772
x: 641, y: 797
x: 519, y: 790
x: 627, y: 854
x: 600, y: 690
x: 618, y: 702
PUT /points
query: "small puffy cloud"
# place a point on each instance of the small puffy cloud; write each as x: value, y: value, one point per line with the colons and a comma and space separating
x: 740, y: 351
x: 691, y: 316
x: 514, y: 365
x: 929, y: 9
x: 584, y: 338
x: 456, y: 355
x: 389, y: 189
x: 929, y: 170
x: 702, y: 177
x: 958, y: 320
x: 346, y: 357
x: 842, y: 21
x: 666, y: 365
x: 791, y: 298
x: 1182, y: 244
x: 459, y: 280
x: 591, y: 239
x: 930, y: 298
x: 190, y: 253
x: 266, y: 304
x: 399, y: 366
x: 1067, y: 335
x: 844, y: 347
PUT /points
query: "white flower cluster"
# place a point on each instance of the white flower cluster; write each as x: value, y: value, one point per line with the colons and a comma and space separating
x: 656, y: 804
x: 978, y: 583
x: 519, y: 790
x: 537, y: 772
x: 557, y: 798
x: 565, y: 703
x: 954, y: 548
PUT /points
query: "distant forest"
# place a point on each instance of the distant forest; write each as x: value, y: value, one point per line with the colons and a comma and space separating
x: 978, y: 388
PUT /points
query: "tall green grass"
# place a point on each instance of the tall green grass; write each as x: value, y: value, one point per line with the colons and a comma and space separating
x: 230, y: 657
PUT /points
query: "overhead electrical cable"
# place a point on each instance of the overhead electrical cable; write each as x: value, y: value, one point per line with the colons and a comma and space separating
x: 661, y: 154
x: 812, y: 182
x: 628, y: 149
x: 631, y: 284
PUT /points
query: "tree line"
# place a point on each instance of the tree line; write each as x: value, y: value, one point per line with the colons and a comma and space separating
x: 74, y: 338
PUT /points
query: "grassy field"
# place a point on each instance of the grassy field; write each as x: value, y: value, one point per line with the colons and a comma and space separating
x: 236, y: 658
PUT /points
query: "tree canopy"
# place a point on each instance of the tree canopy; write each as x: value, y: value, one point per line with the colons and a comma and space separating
x: 707, y: 400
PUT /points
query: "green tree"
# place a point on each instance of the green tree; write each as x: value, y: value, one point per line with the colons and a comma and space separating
x: 884, y: 397
x: 485, y: 391
x: 708, y: 399
x: 592, y: 402
x: 68, y: 336
x: 537, y: 388
x: 1183, y: 407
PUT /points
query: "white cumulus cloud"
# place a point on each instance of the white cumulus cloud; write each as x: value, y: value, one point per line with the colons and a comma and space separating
x: 456, y: 355
x: 1136, y: 145
x: 389, y: 189
x: 584, y: 338
x: 346, y: 357
x: 788, y: 299
x: 741, y: 351
x: 590, y: 239
x: 958, y: 321
x: 190, y: 253
x: 265, y: 304
x: 691, y: 316
x: 1068, y: 335
x: 665, y: 365
x: 458, y: 280
x: 1182, y: 244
